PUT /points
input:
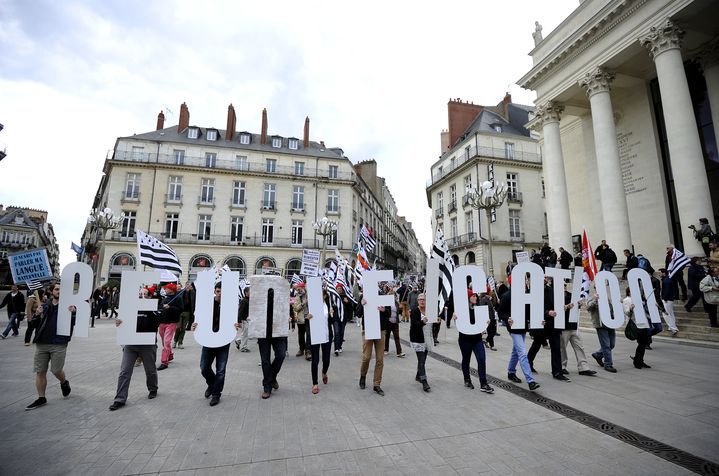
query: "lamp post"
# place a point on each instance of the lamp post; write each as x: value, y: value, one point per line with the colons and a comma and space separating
x: 324, y: 227
x: 103, y: 220
x: 487, y: 197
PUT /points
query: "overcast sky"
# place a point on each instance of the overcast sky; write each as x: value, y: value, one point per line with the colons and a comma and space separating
x: 374, y: 78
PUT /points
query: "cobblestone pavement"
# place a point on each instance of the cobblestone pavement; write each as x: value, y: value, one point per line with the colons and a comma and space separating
x: 345, y: 430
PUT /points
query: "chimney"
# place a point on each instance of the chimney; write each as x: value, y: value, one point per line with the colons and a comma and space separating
x: 444, y: 141
x: 160, y: 121
x: 184, y: 118
x: 460, y: 116
x: 505, y: 104
x: 231, y: 120
x: 306, y: 143
x: 263, y: 133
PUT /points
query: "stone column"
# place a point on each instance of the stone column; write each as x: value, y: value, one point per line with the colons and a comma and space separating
x: 558, y: 221
x: 709, y: 59
x: 685, y: 153
x: 615, y: 213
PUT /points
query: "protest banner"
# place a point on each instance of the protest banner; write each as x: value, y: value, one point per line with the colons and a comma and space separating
x: 29, y: 265
x: 310, y: 262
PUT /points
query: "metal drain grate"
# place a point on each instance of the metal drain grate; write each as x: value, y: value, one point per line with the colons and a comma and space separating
x: 650, y: 445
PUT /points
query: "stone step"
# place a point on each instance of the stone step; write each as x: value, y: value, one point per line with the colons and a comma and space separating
x: 693, y: 336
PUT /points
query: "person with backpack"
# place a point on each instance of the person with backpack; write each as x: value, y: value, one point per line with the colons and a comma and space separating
x: 704, y: 234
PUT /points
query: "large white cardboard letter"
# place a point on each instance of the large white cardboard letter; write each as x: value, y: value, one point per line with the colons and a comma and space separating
x: 269, y: 307
x: 465, y: 324
x: 79, y: 299
x: 535, y: 296
x: 204, y: 308
x: 371, y: 280
x: 612, y: 320
x: 576, y: 294
x: 319, y: 332
x: 637, y: 276
x: 431, y: 290
x: 131, y: 304
x: 559, y: 276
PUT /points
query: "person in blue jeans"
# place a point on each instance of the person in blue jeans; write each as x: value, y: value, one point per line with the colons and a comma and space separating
x: 519, y: 350
x: 607, y: 336
x: 472, y: 343
x: 15, y: 302
x: 215, y: 379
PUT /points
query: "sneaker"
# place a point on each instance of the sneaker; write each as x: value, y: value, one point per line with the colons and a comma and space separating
x: 214, y: 401
x: 675, y: 333
x: 162, y: 367
x: 562, y: 377
x: 486, y: 388
x: 493, y: 348
x: 27, y: 343
x: 152, y: 394
x: 115, y: 406
x: 362, y: 383
x: 37, y: 403
x: 425, y: 387
x: 65, y: 387
x: 401, y: 354
x: 514, y: 378
x: 275, y: 385
x: 299, y: 353
x: 340, y: 351
x: 378, y: 390
x: 611, y: 369
x: 244, y: 349
x: 180, y: 346
x: 565, y: 372
x: 337, y: 352
x: 469, y: 384
x: 386, y: 352
x: 534, y: 371
x: 588, y: 372
x: 533, y: 386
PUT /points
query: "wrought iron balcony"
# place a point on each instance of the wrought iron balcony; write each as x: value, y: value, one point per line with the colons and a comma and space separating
x: 173, y: 199
x: 487, y: 152
x: 130, y: 196
x: 514, y: 197
x: 462, y: 240
x: 518, y: 237
x: 438, y: 212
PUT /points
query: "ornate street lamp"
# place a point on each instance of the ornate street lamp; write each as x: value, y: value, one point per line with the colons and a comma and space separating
x: 103, y: 220
x: 487, y: 197
x: 324, y: 227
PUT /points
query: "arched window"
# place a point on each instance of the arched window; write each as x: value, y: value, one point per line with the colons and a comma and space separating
x: 293, y: 266
x: 455, y: 258
x: 199, y: 263
x: 469, y: 258
x: 235, y: 263
x: 120, y: 262
x: 266, y: 265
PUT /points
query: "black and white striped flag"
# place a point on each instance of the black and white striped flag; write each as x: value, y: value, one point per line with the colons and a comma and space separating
x: 156, y: 254
x: 440, y: 252
x: 679, y: 262
x: 296, y: 279
x: 33, y: 285
x: 367, y: 239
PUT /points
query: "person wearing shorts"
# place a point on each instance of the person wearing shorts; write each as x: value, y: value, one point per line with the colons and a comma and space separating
x: 50, y: 348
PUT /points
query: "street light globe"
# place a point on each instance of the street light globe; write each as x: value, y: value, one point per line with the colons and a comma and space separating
x: 486, y: 185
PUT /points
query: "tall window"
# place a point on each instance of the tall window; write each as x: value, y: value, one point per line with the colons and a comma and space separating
x: 204, y: 227
x: 210, y: 160
x: 137, y: 153
x: 299, y: 168
x: 297, y: 232
x: 268, y: 231
x: 334, y: 171
x: 298, y: 197
x: 452, y: 197
x: 544, y: 191
x: 174, y: 188
x: 128, y: 225
x: 241, y: 162
x: 172, y: 224
x: 332, y: 239
x: 179, y: 156
x: 271, y: 165
x: 453, y: 227
x: 467, y: 182
x: 236, y: 231
x: 440, y: 200
x: 512, y: 184
x: 268, y: 196
x: 514, y: 228
x: 469, y: 222
x: 333, y: 200
x: 238, y: 193
x: 508, y: 150
x: 207, y: 191
x: 132, y: 186
x: 293, y: 144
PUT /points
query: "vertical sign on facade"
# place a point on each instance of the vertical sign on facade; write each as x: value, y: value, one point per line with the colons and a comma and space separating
x: 490, y: 177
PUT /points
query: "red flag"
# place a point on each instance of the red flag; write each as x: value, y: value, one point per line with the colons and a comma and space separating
x: 588, y: 261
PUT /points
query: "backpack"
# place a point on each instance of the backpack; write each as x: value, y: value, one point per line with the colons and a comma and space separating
x: 645, y: 264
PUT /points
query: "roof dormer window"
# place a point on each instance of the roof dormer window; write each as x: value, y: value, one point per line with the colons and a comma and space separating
x: 293, y: 143
x: 244, y: 138
x: 211, y: 134
x: 193, y: 133
x: 277, y: 142
x: 497, y: 127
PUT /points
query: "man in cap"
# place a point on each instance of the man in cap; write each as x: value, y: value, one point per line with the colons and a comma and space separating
x: 171, y: 308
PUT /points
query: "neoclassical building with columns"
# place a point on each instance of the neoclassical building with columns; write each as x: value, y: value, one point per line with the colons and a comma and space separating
x: 628, y: 112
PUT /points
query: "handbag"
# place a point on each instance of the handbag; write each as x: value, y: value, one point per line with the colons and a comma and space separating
x: 712, y: 297
x: 631, y: 331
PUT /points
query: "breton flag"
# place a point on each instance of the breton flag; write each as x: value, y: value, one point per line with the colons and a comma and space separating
x: 76, y: 248
x: 446, y: 267
x: 589, y: 263
x: 33, y: 285
x: 244, y: 284
x: 156, y: 254
x: 678, y: 263
x: 365, y: 238
x: 296, y: 279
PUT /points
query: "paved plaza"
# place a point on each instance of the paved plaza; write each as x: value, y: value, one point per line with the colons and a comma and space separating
x: 668, y: 412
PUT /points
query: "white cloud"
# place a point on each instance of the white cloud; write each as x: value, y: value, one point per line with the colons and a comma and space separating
x: 374, y: 78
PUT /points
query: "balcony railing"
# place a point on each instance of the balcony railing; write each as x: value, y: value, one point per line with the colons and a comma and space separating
x: 269, y: 205
x: 237, y: 203
x: 488, y: 152
x: 514, y: 197
x: 333, y: 210
x: 462, y: 240
x: 228, y: 240
x: 452, y: 206
x: 438, y: 212
x: 130, y: 196
x: 227, y: 164
x: 173, y: 199
x: 518, y: 237
x: 205, y: 201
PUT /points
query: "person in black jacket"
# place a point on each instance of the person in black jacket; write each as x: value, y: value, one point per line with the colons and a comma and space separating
x: 219, y: 355
x: 419, y: 339
x: 15, y: 302
x: 376, y: 344
x: 519, y: 352
x: 171, y: 309
x: 50, y: 348
x: 565, y: 259
x: 472, y: 343
x: 187, y: 316
x: 550, y: 333
x: 695, y: 274
x: 147, y: 321
x: 632, y: 262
